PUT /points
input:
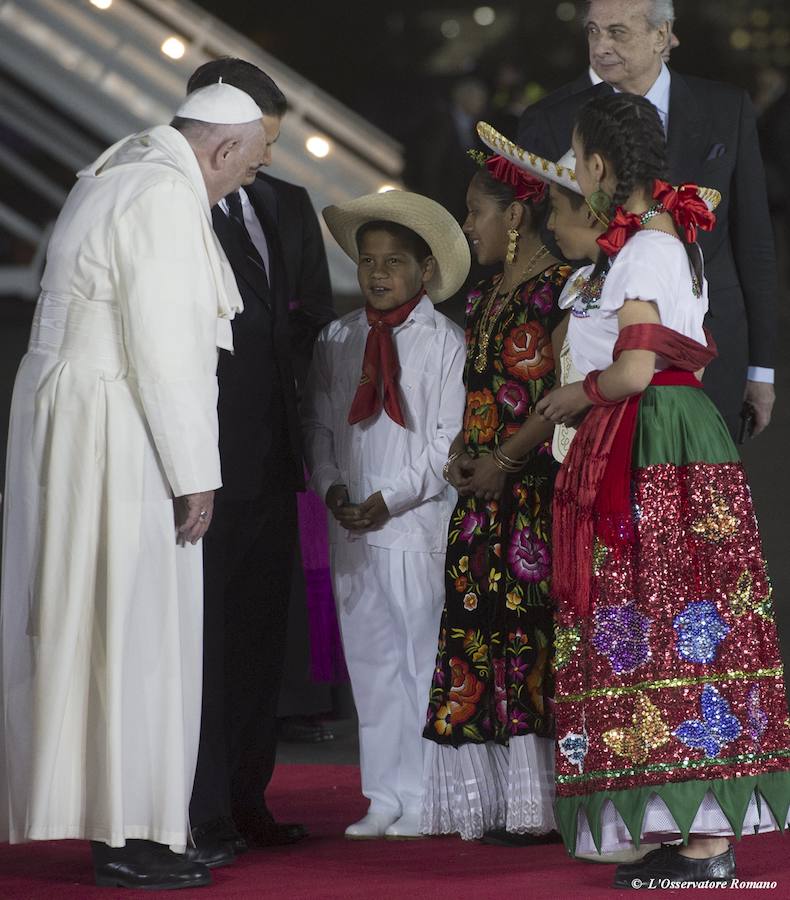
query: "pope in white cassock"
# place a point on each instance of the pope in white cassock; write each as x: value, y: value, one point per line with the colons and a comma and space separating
x: 113, y: 416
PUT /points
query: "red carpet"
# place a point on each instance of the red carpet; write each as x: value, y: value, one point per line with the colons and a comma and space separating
x: 327, y: 867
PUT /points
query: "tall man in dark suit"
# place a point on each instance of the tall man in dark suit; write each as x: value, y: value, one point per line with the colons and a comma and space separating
x: 272, y: 238
x: 712, y: 140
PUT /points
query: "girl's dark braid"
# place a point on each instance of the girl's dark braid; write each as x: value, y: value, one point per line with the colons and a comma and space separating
x: 627, y: 130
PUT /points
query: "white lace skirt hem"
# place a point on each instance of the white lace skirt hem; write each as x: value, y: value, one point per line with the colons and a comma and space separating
x: 659, y: 825
x: 480, y: 787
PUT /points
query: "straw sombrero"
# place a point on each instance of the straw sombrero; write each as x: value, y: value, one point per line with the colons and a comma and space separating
x: 561, y: 172
x: 427, y: 218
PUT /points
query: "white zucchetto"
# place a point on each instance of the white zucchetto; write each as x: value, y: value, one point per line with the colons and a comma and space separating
x: 220, y: 104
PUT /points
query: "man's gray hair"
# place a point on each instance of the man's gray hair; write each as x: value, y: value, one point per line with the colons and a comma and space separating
x: 658, y: 12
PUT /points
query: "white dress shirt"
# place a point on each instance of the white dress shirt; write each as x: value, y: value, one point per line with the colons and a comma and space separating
x: 377, y: 454
x: 253, y: 224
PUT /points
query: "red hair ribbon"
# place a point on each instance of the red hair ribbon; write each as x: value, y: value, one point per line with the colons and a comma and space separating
x: 621, y: 228
x: 525, y: 187
x: 687, y: 208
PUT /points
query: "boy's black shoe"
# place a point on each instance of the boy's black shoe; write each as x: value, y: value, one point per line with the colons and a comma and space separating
x: 145, y: 865
x: 667, y: 865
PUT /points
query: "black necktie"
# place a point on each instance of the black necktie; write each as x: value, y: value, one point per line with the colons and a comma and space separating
x: 236, y: 215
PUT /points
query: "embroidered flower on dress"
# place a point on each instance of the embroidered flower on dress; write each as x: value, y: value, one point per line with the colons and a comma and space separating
x: 528, y: 556
x: 470, y: 602
x: 527, y: 352
x: 513, y: 397
x: 543, y: 298
x: 717, y: 727
x: 471, y: 524
x: 622, y: 635
x: 700, y: 630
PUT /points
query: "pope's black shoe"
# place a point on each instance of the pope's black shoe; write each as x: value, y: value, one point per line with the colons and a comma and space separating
x: 665, y: 866
x: 145, y: 865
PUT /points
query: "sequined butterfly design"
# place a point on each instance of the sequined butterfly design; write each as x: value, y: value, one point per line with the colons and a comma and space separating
x: 574, y: 748
x: 756, y: 717
x: 719, y: 524
x: 647, y: 732
x: 717, y: 727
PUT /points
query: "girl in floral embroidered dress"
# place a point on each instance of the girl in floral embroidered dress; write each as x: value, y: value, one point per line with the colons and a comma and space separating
x: 670, y: 703
x: 490, y: 719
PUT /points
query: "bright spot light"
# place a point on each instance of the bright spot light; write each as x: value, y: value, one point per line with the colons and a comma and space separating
x: 386, y: 187
x: 174, y: 48
x: 566, y: 12
x: 102, y: 4
x: 450, y: 29
x: 318, y: 146
x: 484, y: 15
x: 740, y: 39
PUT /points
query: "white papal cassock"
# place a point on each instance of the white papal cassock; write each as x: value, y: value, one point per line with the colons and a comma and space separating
x: 113, y: 414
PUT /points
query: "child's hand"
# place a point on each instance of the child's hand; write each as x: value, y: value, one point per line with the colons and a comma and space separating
x: 372, y: 513
x: 345, y: 512
x: 564, y: 405
x: 484, y: 478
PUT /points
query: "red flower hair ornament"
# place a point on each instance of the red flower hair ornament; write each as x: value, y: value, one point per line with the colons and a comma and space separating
x: 525, y: 187
x: 688, y: 210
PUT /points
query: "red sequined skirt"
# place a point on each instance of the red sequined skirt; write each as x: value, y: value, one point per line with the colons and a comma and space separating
x: 672, y: 686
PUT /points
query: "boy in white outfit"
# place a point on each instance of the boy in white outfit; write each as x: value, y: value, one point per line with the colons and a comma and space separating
x: 376, y: 446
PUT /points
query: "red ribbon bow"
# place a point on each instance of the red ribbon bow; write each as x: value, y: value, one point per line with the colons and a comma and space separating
x: 525, y: 187
x: 688, y: 210
x: 621, y: 228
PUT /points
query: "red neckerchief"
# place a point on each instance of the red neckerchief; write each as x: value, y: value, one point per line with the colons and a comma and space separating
x: 381, y: 360
x: 592, y: 491
x: 525, y: 187
x: 687, y: 208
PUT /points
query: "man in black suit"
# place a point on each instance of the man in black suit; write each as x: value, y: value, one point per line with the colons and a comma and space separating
x: 272, y: 238
x: 712, y: 140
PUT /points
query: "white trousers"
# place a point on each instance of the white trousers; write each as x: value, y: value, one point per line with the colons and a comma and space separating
x: 389, y: 605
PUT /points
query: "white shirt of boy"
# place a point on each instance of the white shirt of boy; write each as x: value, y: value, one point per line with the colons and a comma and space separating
x: 377, y: 454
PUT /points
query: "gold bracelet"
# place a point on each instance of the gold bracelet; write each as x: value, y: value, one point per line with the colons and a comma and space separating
x: 509, y: 459
x: 511, y: 468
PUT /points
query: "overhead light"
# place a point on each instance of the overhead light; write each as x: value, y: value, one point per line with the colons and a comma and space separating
x: 450, y: 28
x: 174, y: 48
x: 484, y: 15
x: 385, y: 188
x: 318, y: 146
x: 102, y: 4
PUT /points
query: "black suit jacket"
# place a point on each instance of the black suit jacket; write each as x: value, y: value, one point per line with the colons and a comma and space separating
x: 259, y: 425
x: 712, y: 141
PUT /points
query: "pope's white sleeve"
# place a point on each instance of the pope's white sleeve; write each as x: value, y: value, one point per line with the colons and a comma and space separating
x: 168, y: 303
x: 423, y: 479
x: 317, y: 423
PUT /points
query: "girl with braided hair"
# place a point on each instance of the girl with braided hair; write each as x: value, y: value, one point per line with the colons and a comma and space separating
x: 490, y: 749
x: 670, y: 702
